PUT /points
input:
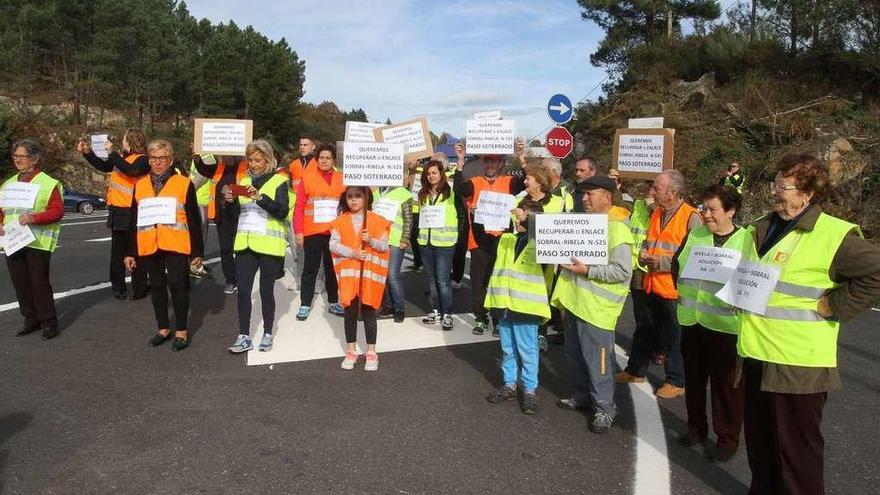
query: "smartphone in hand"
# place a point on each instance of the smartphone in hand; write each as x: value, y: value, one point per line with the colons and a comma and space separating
x: 239, y: 190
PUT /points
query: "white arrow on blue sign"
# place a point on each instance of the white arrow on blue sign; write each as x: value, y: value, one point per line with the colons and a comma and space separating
x: 559, y: 108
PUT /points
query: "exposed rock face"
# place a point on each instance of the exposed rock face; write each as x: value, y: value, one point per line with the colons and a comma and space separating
x: 692, y: 95
x: 77, y: 175
x: 844, y: 163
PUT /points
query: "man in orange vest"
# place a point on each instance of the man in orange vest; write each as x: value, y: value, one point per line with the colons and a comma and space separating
x: 125, y: 169
x: 670, y: 224
x: 482, y: 243
x: 224, y: 171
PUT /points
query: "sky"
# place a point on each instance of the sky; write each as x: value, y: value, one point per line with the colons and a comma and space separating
x: 440, y: 59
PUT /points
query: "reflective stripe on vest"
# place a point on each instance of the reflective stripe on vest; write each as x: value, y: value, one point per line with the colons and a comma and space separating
x: 173, y: 237
x: 791, y: 331
x: 448, y: 235
x: 517, y: 282
x: 46, y: 236
x: 638, y: 223
x: 364, y: 279
x: 274, y: 241
x: 696, y: 298
x: 598, y: 303
x: 665, y: 241
x: 120, y: 189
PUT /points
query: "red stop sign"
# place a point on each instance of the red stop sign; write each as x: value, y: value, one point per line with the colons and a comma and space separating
x: 559, y: 142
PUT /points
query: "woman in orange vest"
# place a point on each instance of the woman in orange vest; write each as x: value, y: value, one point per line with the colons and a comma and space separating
x: 125, y: 169
x: 359, y: 244
x: 166, y: 234
x: 317, y: 202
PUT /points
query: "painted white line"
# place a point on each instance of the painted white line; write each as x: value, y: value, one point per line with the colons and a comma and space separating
x: 82, y: 223
x: 875, y: 309
x: 652, y: 459
x: 103, y: 239
x: 82, y: 290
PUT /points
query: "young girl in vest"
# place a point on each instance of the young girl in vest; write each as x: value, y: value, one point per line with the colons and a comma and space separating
x: 359, y: 246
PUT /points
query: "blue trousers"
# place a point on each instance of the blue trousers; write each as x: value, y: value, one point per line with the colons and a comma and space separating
x: 438, y: 263
x: 519, y: 347
x: 394, y: 295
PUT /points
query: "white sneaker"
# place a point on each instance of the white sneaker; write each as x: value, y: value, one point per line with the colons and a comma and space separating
x: 372, y: 362
x: 432, y: 317
x: 348, y: 363
x: 447, y: 322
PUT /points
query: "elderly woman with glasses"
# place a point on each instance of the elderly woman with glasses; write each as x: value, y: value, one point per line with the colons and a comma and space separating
x: 167, y: 238
x: 32, y: 206
x: 828, y: 275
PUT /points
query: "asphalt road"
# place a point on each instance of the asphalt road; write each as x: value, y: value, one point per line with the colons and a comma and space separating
x: 96, y: 411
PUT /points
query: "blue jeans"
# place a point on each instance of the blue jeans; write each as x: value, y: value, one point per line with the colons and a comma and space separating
x: 394, y: 294
x: 438, y: 263
x: 519, y: 346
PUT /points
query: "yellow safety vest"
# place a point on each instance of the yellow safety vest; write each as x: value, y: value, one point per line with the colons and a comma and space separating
x: 273, y: 242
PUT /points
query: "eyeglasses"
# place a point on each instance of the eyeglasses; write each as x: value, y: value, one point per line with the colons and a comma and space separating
x: 782, y: 187
x: 20, y: 157
x: 164, y: 158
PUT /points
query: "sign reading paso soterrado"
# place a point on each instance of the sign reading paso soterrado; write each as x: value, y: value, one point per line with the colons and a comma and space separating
x: 559, y: 236
x: 559, y: 142
x: 642, y: 153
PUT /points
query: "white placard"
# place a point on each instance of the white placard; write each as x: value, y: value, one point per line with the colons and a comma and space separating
x: 750, y: 287
x: 646, y: 123
x: 386, y: 208
x: 409, y: 135
x: 559, y: 236
x: 493, y: 115
x: 416, y: 187
x: 99, y: 141
x: 19, y: 195
x: 493, y: 210
x: 222, y: 136
x: 640, y: 153
x: 490, y: 136
x: 253, y: 219
x: 432, y: 217
x: 712, y: 264
x: 158, y: 210
x: 326, y: 210
x: 360, y: 132
x: 372, y: 164
x: 15, y: 237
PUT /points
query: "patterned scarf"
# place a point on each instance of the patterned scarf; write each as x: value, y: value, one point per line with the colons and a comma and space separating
x: 159, y: 181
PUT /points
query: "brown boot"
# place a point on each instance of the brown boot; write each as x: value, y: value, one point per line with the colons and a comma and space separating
x: 669, y: 391
x: 625, y: 377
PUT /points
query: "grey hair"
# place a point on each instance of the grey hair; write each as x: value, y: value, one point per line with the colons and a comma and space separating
x: 30, y: 146
x: 591, y: 162
x: 676, y: 181
x: 553, y: 164
x: 265, y: 149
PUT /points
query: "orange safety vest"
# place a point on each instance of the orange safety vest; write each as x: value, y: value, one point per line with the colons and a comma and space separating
x: 121, y: 186
x: 218, y: 174
x: 666, y: 242
x: 318, y: 189
x: 167, y: 237
x: 361, y: 278
x: 499, y: 185
x: 296, y: 170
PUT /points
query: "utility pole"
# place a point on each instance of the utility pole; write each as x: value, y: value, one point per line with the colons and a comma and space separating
x: 669, y: 23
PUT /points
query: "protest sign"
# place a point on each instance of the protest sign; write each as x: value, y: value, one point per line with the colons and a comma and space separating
x: 386, y: 209
x: 326, y: 210
x: 646, y: 123
x: 360, y: 132
x: 711, y: 264
x: 222, y: 136
x: 750, y: 287
x: 158, y: 210
x: 493, y: 115
x: 413, y: 134
x: 253, y: 218
x: 490, y: 136
x: 493, y: 210
x: 372, y: 164
x: 15, y: 237
x: 642, y: 153
x: 19, y: 195
x: 98, y: 144
x: 559, y: 236
x: 432, y: 217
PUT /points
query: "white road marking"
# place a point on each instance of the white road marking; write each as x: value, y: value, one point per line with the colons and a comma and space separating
x: 875, y: 309
x: 82, y: 290
x: 102, y: 239
x: 82, y: 223
x: 652, y: 460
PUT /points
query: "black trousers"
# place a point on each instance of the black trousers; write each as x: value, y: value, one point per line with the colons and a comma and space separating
x: 226, y: 230
x: 482, y: 262
x: 168, y: 272
x: 247, y: 263
x: 413, y: 240
x: 118, y: 247
x: 29, y: 271
x: 662, y: 313
x: 459, y: 258
x: 351, y: 322
x: 317, y: 248
x: 783, y: 438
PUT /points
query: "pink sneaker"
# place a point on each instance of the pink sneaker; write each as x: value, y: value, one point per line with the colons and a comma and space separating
x: 351, y: 358
x: 372, y: 362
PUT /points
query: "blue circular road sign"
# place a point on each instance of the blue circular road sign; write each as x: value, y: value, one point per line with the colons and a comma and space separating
x: 560, y: 109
